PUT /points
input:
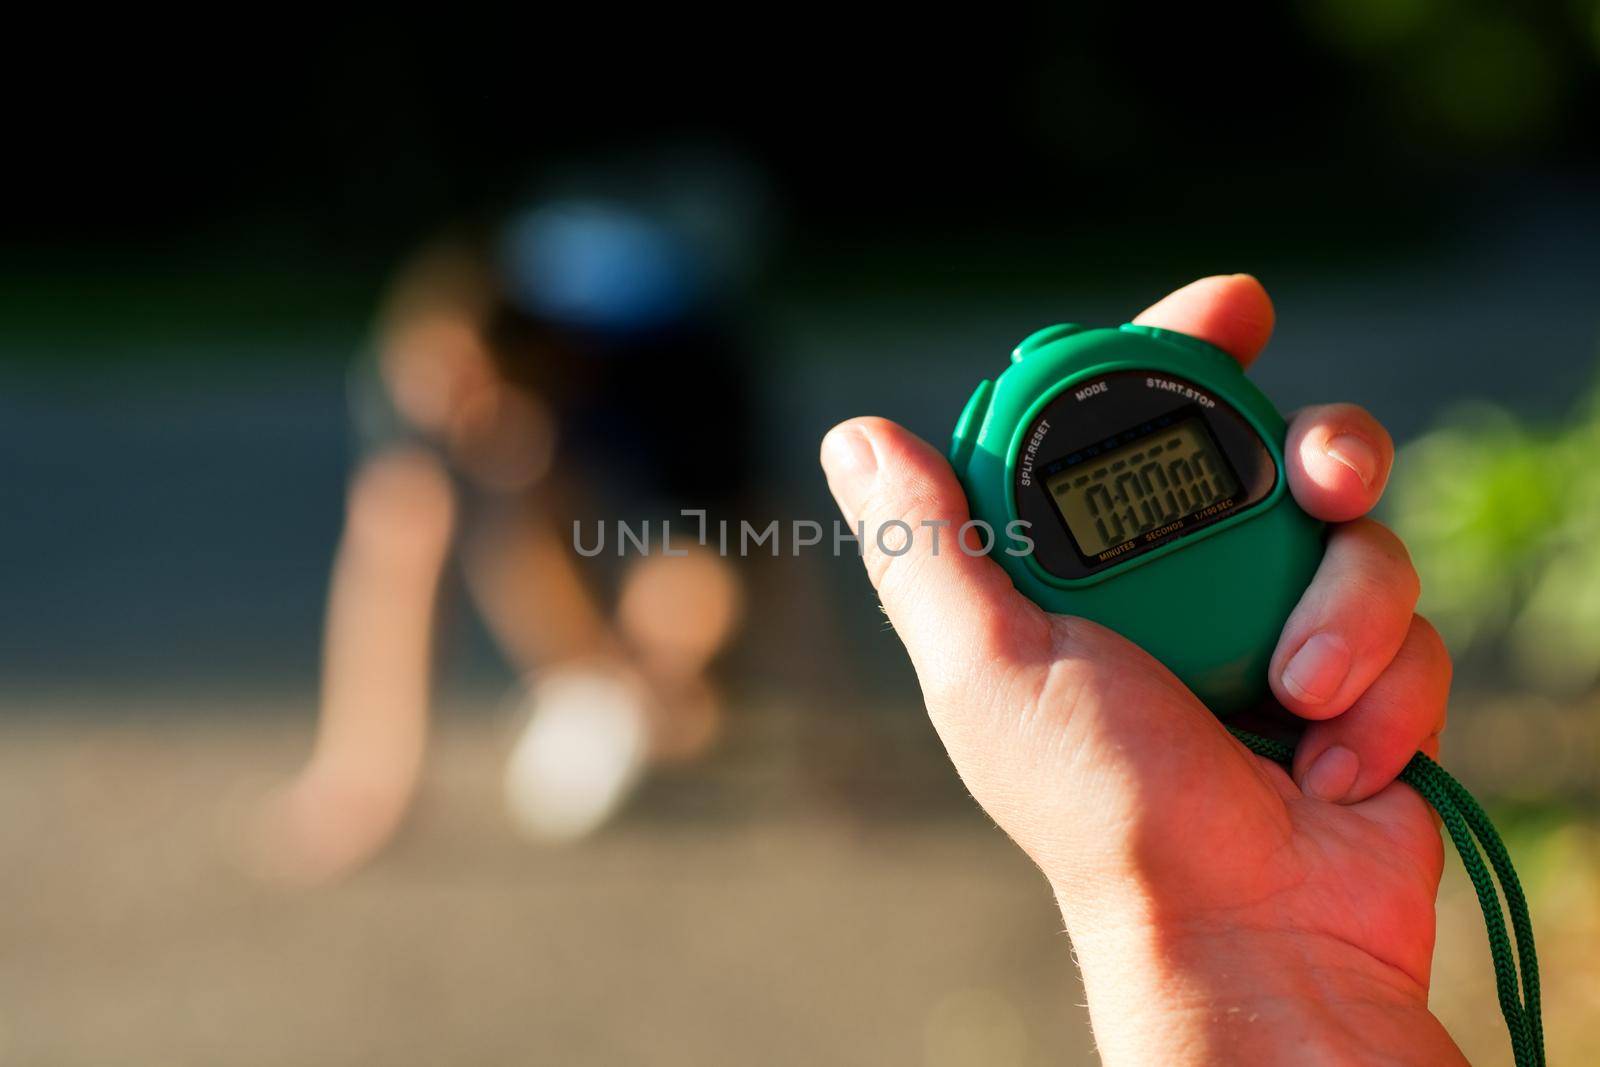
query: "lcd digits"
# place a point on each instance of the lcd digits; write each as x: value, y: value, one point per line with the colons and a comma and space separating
x: 1163, y: 477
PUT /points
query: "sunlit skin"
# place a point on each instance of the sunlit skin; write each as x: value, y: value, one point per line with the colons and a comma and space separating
x: 675, y: 614
x: 1221, y: 909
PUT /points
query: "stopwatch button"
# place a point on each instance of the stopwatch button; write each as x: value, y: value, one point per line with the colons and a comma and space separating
x: 1193, y: 344
x: 970, y: 424
x: 1039, y: 338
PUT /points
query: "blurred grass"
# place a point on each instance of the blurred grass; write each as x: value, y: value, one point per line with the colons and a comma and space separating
x: 1502, y: 516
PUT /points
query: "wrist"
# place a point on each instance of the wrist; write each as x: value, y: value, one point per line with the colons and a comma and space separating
x: 1163, y: 993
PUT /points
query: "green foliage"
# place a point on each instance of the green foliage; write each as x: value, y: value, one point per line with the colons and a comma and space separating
x: 1503, y: 521
x: 1484, y: 78
x: 1363, y: 26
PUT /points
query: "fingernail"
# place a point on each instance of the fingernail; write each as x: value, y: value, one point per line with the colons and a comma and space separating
x: 1331, y: 775
x: 851, y: 465
x: 1356, y: 454
x: 1315, y: 673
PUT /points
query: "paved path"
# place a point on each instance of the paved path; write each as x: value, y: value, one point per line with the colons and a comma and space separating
x: 751, y: 912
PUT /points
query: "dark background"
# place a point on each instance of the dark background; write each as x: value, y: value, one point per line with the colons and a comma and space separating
x: 1326, y: 127
x: 194, y: 237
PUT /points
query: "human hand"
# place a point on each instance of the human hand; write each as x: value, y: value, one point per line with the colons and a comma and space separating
x: 1220, y: 908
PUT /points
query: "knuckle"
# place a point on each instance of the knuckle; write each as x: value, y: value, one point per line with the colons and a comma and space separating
x: 887, y: 547
x: 1383, y: 559
x: 1430, y: 646
x: 894, y: 577
x: 894, y: 539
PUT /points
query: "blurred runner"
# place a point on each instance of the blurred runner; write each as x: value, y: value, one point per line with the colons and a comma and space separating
x: 573, y: 364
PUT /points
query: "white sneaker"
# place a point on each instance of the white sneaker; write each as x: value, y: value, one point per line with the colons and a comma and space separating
x: 579, y: 756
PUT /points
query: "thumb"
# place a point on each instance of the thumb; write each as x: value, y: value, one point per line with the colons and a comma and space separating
x: 954, y: 608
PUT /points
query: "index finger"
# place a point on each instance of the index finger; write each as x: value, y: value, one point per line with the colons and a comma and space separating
x: 1231, y: 311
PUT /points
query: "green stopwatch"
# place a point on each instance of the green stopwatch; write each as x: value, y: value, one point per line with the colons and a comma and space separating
x: 1149, y: 473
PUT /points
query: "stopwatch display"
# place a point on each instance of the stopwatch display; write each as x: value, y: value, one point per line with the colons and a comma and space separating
x: 1171, y: 473
x: 1125, y: 462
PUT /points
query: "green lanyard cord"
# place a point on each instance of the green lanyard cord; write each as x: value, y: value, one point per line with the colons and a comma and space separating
x: 1470, y: 829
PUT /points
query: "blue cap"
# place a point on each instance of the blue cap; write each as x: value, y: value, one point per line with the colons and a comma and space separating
x: 600, y: 265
